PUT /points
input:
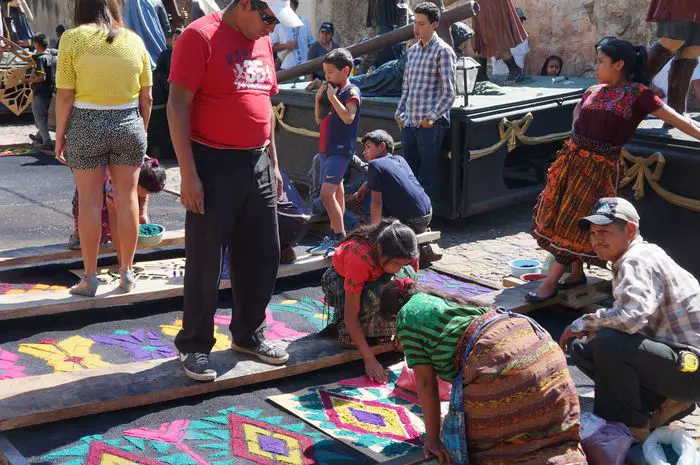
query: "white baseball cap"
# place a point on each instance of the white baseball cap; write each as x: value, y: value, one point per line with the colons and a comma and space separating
x: 284, y: 12
x: 609, y: 209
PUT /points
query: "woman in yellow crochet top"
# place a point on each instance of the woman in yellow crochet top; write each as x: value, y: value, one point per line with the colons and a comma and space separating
x: 103, y: 105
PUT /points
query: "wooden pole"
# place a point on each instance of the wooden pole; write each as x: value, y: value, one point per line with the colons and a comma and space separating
x: 397, y: 36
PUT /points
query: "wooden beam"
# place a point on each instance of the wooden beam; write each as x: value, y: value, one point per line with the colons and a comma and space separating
x: 14, y: 306
x: 513, y: 299
x: 44, y: 399
x: 413, y: 458
x: 9, y: 455
x: 13, y: 258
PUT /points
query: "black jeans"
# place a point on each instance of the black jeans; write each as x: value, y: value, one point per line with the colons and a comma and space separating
x: 633, y: 375
x: 240, y: 204
x: 419, y: 224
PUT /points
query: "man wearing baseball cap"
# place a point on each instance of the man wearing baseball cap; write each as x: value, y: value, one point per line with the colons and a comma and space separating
x: 222, y: 128
x: 321, y: 47
x: 643, y: 351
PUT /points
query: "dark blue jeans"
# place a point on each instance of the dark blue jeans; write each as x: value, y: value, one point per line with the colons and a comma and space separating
x: 421, y: 149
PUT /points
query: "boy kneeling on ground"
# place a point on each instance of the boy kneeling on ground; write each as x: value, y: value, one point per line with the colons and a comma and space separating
x: 395, y: 190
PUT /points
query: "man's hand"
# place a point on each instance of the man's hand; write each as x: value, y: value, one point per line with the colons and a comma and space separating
x: 278, y: 182
x: 569, y: 335
x: 143, y: 219
x: 313, y: 85
x: 291, y: 45
x: 321, y: 90
x: 426, y: 123
x: 192, y: 194
x: 399, y: 122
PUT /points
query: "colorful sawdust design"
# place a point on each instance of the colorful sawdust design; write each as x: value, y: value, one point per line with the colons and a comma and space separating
x: 72, y: 354
x: 23, y: 288
x: 223, y: 342
x: 141, y: 344
x: 18, y: 151
x: 233, y: 433
x: 275, y: 331
x: 311, y: 310
x: 8, y: 366
x: 367, y: 416
x: 451, y: 285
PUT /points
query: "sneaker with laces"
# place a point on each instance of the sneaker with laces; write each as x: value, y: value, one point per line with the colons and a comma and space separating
x: 266, y: 351
x: 197, y: 366
x: 326, y: 244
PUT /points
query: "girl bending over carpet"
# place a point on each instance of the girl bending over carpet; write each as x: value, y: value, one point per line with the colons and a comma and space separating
x: 363, y: 264
x: 510, y: 379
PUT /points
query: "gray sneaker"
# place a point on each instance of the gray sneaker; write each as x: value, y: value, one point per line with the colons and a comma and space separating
x: 265, y: 351
x: 197, y: 366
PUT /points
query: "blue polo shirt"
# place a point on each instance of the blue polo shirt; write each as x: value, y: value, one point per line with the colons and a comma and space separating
x: 402, y: 195
x: 338, y: 138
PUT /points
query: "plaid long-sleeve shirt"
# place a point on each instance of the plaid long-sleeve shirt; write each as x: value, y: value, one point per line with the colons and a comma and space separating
x: 654, y: 297
x: 428, y: 89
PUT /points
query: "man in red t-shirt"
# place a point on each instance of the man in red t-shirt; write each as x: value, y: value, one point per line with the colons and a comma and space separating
x: 221, y: 124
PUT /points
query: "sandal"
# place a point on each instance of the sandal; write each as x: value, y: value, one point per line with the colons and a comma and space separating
x: 564, y: 284
x: 535, y: 299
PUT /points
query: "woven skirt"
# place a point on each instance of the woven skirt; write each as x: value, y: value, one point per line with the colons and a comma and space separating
x: 374, y: 326
x: 497, y: 28
x: 577, y: 179
x: 520, y: 402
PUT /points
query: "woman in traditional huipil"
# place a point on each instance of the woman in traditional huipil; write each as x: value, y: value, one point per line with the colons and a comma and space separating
x: 589, y: 167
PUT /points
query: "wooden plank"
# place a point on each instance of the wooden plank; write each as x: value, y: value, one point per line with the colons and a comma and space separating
x: 12, y: 258
x: 9, y: 455
x: 462, y: 277
x: 413, y: 458
x: 513, y: 298
x: 13, y: 306
x: 44, y: 399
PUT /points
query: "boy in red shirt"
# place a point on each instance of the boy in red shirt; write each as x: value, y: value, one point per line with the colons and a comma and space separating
x: 338, y: 138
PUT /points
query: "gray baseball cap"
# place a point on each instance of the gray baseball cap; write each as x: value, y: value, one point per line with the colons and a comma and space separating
x: 607, y: 210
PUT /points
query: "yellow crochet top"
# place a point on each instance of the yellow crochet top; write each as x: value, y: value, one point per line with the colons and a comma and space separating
x: 103, y: 74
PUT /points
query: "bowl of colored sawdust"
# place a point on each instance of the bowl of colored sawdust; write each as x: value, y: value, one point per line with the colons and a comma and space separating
x: 525, y: 266
x: 150, y: 234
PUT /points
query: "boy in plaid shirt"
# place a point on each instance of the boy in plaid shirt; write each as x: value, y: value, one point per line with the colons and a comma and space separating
x: 428, y: 93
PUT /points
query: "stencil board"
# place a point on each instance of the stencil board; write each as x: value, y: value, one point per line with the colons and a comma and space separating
x: 374, y: 419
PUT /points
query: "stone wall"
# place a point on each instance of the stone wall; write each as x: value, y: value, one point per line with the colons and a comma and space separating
x: 50, y: 13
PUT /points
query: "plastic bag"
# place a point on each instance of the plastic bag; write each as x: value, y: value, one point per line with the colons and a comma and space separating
x: 407, y: 381
x: 604, y: 442
x: 681, y: 442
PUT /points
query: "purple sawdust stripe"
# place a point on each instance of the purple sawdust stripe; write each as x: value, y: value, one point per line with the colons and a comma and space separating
x: 272, y: 445
x: 450, y: 285
x: 369, y: 418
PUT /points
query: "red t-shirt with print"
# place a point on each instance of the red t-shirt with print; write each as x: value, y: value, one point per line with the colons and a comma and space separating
x: 232, y: 78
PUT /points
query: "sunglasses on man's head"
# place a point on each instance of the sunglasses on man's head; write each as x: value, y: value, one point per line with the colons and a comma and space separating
x: 260, y: 8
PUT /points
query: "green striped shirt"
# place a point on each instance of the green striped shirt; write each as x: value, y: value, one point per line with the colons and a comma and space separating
x: 430, y: 328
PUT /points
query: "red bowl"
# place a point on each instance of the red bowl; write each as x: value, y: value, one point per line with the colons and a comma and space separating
x: 533, y: 277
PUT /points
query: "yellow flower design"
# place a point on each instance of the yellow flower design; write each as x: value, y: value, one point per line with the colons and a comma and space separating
x: 223, y: 342
x: 72, y: 354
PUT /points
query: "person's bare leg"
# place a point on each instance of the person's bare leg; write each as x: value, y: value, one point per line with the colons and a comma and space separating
x: 333, y: 208
x: 340, y: 198
x: 90, y: 188
x: 576, y: 274
x: 124, y: 181
x: 114, y: 229
x: 550, y: 283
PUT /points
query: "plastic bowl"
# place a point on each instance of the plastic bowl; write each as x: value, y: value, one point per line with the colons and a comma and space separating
x: 525, y: 266
x: 533, y: 277
x: 150, y: 234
